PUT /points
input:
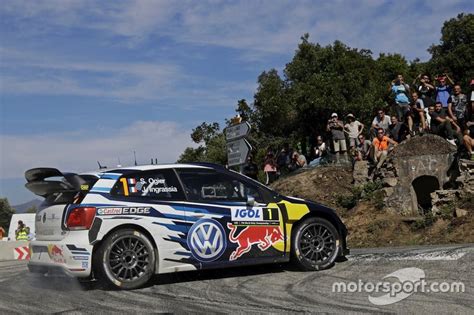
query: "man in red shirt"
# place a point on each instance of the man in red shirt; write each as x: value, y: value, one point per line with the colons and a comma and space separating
x: 380, y: 144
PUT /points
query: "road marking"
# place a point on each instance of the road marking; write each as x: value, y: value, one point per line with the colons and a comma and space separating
x: 447, y: 255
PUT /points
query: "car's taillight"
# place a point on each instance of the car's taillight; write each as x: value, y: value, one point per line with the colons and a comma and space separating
x: 81, y: 218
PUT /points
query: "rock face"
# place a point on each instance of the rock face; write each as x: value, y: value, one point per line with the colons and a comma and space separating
x: 416, y: 168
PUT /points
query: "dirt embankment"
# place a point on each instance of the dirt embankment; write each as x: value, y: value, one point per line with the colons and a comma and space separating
x: 369, y: 227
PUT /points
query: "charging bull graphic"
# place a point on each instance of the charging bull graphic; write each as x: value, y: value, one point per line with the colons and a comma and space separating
x: 264, y: 236
x: 56, y: 254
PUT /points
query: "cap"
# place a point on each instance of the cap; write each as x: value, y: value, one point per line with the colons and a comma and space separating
x: 350, y: 116
x: 333, y: 115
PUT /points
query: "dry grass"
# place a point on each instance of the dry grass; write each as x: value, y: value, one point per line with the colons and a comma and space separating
x: 369, y: 227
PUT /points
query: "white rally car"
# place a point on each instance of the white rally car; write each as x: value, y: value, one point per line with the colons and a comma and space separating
x: 125, y: 225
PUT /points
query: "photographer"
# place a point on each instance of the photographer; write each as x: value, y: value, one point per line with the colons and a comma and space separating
x: 401, y: 91
x: 336, y: 127
x: 425, y: 89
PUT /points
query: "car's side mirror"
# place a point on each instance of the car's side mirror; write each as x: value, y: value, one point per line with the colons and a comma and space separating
x: 250, y: 201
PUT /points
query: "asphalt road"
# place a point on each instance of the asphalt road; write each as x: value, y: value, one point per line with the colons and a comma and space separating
x: 260, y: 289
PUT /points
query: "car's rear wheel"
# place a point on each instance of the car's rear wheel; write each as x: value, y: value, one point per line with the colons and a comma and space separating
x: 125, y: 259
x: 315, y: 244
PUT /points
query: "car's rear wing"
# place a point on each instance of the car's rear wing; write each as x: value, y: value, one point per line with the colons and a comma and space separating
x: 46, y: 181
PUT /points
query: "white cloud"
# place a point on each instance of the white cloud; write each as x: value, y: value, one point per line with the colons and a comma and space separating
x: 79, y: 150
x: 267, y: 27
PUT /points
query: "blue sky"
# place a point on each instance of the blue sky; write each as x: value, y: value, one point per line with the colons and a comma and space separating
x: 83, y: 81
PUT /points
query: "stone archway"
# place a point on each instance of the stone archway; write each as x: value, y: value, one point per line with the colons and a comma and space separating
x: 423, y: 186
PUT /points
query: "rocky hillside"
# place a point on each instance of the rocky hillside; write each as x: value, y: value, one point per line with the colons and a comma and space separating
x: 369, y: 222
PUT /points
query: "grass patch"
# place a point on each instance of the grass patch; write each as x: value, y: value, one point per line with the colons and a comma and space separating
x: 371, y: 191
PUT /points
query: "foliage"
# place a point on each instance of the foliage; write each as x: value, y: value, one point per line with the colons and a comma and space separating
x: 32, y: 209
x: 455, y: 52
x: 211, y: 145
x: 6, y: 212
x: 294, y: 106
x: 427, y: 220
x: 346, y: 201
x: 371, y: 191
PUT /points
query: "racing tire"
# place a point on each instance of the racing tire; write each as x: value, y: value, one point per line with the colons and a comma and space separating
x: 315, y: 244
x: 125, y: 260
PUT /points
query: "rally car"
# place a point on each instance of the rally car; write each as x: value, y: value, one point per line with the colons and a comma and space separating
x: 124, y: 225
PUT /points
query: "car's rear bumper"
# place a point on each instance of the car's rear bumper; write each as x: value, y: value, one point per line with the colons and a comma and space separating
x: 73, y: 259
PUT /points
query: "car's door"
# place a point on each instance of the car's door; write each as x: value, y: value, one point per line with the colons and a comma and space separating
x: 230, y: 220
x: 153, y: 199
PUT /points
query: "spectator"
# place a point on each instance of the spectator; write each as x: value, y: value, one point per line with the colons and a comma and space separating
x: 425, y: 89
x: 363, y: 148
x: 283, y: 159
x: 469, y: 143
x: 402, y: 91
x: 380, y: 121
x: 353, y: 128
x: 470, y: 112
x: 270, y: 167
x: 251, y: 168
x: 2, y: 233
x: 443, y: 91
x: 22, y: 231
x: 442, y: 124
x: 336, y: 127
x: 319, y: 151
x: 381, y: 144
x: 457, y: 107
x: 417, y: 113
x: 297, y: 161
x: 397, y: 130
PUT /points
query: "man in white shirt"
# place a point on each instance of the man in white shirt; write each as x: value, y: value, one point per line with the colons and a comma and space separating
x: 353, y: 128
x: 380, y: 121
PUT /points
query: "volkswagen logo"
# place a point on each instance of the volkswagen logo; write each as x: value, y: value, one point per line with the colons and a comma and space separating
x: 207, y: 240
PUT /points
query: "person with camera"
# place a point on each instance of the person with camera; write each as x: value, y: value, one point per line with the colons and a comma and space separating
x: 425, y: 89
x: 336, y: 128
x: 401, y: 91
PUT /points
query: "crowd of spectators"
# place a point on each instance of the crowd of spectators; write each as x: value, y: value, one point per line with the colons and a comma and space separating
x: 438, y: 107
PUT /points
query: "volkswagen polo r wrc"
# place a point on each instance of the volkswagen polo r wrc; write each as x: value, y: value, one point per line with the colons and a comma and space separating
x: 124, y: 225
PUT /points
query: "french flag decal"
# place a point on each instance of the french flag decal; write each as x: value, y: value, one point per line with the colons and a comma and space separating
x: 131, y: 185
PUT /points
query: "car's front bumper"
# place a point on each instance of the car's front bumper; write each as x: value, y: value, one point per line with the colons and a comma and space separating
x: 72, y: 258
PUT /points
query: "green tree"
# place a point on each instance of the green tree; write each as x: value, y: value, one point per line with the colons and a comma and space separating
x: 335, y: 78
x: 273, y: 108
x: 244, y: 110
x: 32, y: 209
x: 6, y: 212
x: 455, y: 52
x: 211, y: 145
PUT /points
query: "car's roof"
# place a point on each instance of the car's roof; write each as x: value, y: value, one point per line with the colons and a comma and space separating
x: 164, y: 166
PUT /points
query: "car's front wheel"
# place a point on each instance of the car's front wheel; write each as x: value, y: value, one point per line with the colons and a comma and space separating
x: 315, y: 244
x: 125, y: 259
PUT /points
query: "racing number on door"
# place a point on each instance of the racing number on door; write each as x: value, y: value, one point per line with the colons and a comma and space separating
x: 270, y: 214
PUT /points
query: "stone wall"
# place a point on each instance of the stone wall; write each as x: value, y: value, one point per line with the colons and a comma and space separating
x: 413, y: 170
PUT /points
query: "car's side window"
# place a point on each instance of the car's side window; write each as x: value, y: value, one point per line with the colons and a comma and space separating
x: 155, y: 184
x: 204, y: 185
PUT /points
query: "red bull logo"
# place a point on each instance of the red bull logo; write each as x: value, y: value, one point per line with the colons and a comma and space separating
x: 263, y: 236
x: 56, y: 254
x: 56, y: 251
